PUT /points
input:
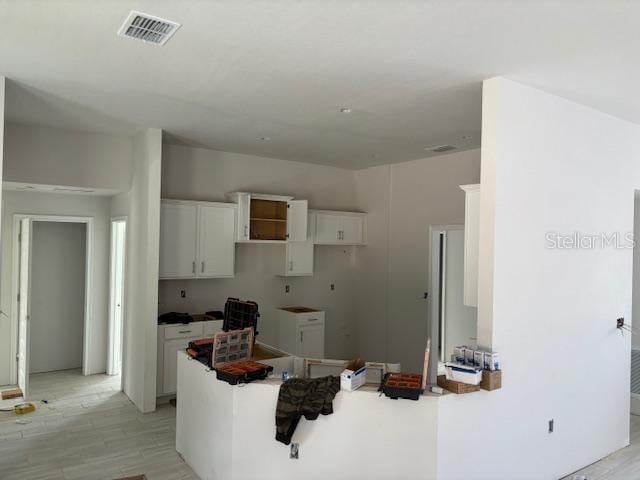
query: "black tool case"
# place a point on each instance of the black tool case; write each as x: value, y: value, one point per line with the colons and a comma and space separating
x: 239, y: 315
x: 243, y: 372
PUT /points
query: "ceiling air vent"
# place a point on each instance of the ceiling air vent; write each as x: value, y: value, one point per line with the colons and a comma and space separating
x: 148, y: 28
x: 442, y: 148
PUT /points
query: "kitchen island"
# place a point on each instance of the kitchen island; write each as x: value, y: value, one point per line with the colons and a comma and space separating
x: 227, y: 432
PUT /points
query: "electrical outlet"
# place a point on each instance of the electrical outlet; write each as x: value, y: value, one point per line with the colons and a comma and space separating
x: 183, y: 293
x: 287, y: 289
x: 551, y: 426
x: 333, y: 286
x: 294, y: 452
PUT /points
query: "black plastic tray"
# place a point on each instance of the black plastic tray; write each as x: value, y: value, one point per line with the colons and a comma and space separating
x: 400, y: 389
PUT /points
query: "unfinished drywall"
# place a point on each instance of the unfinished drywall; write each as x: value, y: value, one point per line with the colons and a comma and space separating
x: 555, y: 167
x: 51, y: 156
x: 403, y: 201
x: 59, y: 205
x: 142, y: 207
x: 198, y: 174
x: 58, y: 265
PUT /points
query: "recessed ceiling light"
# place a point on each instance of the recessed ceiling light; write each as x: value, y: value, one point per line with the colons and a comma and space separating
x: 345, y: 110
x: 264, y: 139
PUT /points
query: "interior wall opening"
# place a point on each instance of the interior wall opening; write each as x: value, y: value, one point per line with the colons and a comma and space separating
x: 452, y: 323
x: 117, y: 295
x: 51, y: 310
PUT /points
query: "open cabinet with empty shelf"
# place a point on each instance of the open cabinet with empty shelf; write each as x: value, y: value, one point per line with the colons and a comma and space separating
x: 270, y: 218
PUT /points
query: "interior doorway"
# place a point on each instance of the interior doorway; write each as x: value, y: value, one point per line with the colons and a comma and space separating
x: 451, y: 322
x: 51, y: 306
x: 117, y: 295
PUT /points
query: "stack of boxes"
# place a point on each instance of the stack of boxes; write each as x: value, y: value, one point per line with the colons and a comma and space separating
x: 474, y: 367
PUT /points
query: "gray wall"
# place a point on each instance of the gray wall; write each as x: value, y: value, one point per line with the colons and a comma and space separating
x: 57, y: 296
x: 377, y: 310
x: 403, y: 200
x: 81, y: 159
x: 198, y: 174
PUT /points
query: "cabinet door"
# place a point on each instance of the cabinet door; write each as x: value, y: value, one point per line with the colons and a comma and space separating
x: 311, y: 341
x: 216, y: 242
x: 350, y: 230
x: 177, y: 241
x: 299, y: 258
x: 297, y: 220
x: 170, y: 374
x: 244, y: 214
x: 327, y: 228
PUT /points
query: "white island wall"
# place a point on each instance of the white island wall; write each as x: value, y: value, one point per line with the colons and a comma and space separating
x: 228, y: 432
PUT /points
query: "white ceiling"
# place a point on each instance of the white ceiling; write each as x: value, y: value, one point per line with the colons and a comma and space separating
x: 238, y: 70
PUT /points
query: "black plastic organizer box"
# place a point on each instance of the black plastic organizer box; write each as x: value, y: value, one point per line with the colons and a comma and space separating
x: 239, y: 315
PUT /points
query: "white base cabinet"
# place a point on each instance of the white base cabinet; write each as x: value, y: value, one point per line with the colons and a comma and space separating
x: 301, y: 331
x: 173, y: 339
x: 197, y: 239
x: 471, y: 239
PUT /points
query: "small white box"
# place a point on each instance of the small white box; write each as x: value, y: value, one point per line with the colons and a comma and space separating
x: 469, y: 354
x: 478, y: 359
x: 350, y: 380
x: 491, y: 361
x: 463, y: 374
x: 459, y: 353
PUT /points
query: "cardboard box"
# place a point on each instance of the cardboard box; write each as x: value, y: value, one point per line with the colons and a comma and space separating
x: 459, y: 354
x: 456, y: 387
x: 351, y: 380
x: 491, y: 380
x: 478, y: 359
x: 463, y: 373
x: 491, y: 361
x: 469, y: 354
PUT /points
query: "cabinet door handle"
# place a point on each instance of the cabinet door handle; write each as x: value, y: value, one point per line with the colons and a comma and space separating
x: 193, y: 267
x: 338, y: 234
x: 291, y: 265
x: 246, y: 231
x: 301, y: 336
x: 184, y: 331
x: 202, y: 267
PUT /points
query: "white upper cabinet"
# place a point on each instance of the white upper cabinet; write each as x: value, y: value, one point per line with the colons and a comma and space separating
x: 471, y: 239
x: 340, y: 228
x: 197, y: 239
x: 270, y: 218
x: 216, y: 241
x: 297, y: 259
x: 177, y: 240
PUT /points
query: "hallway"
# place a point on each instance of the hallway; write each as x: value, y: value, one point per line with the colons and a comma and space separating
x: 88, y: 430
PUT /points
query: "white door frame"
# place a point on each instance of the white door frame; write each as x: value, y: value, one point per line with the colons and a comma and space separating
x: 434, y: 293
x: 111, y: 367
x: 88, y: 282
